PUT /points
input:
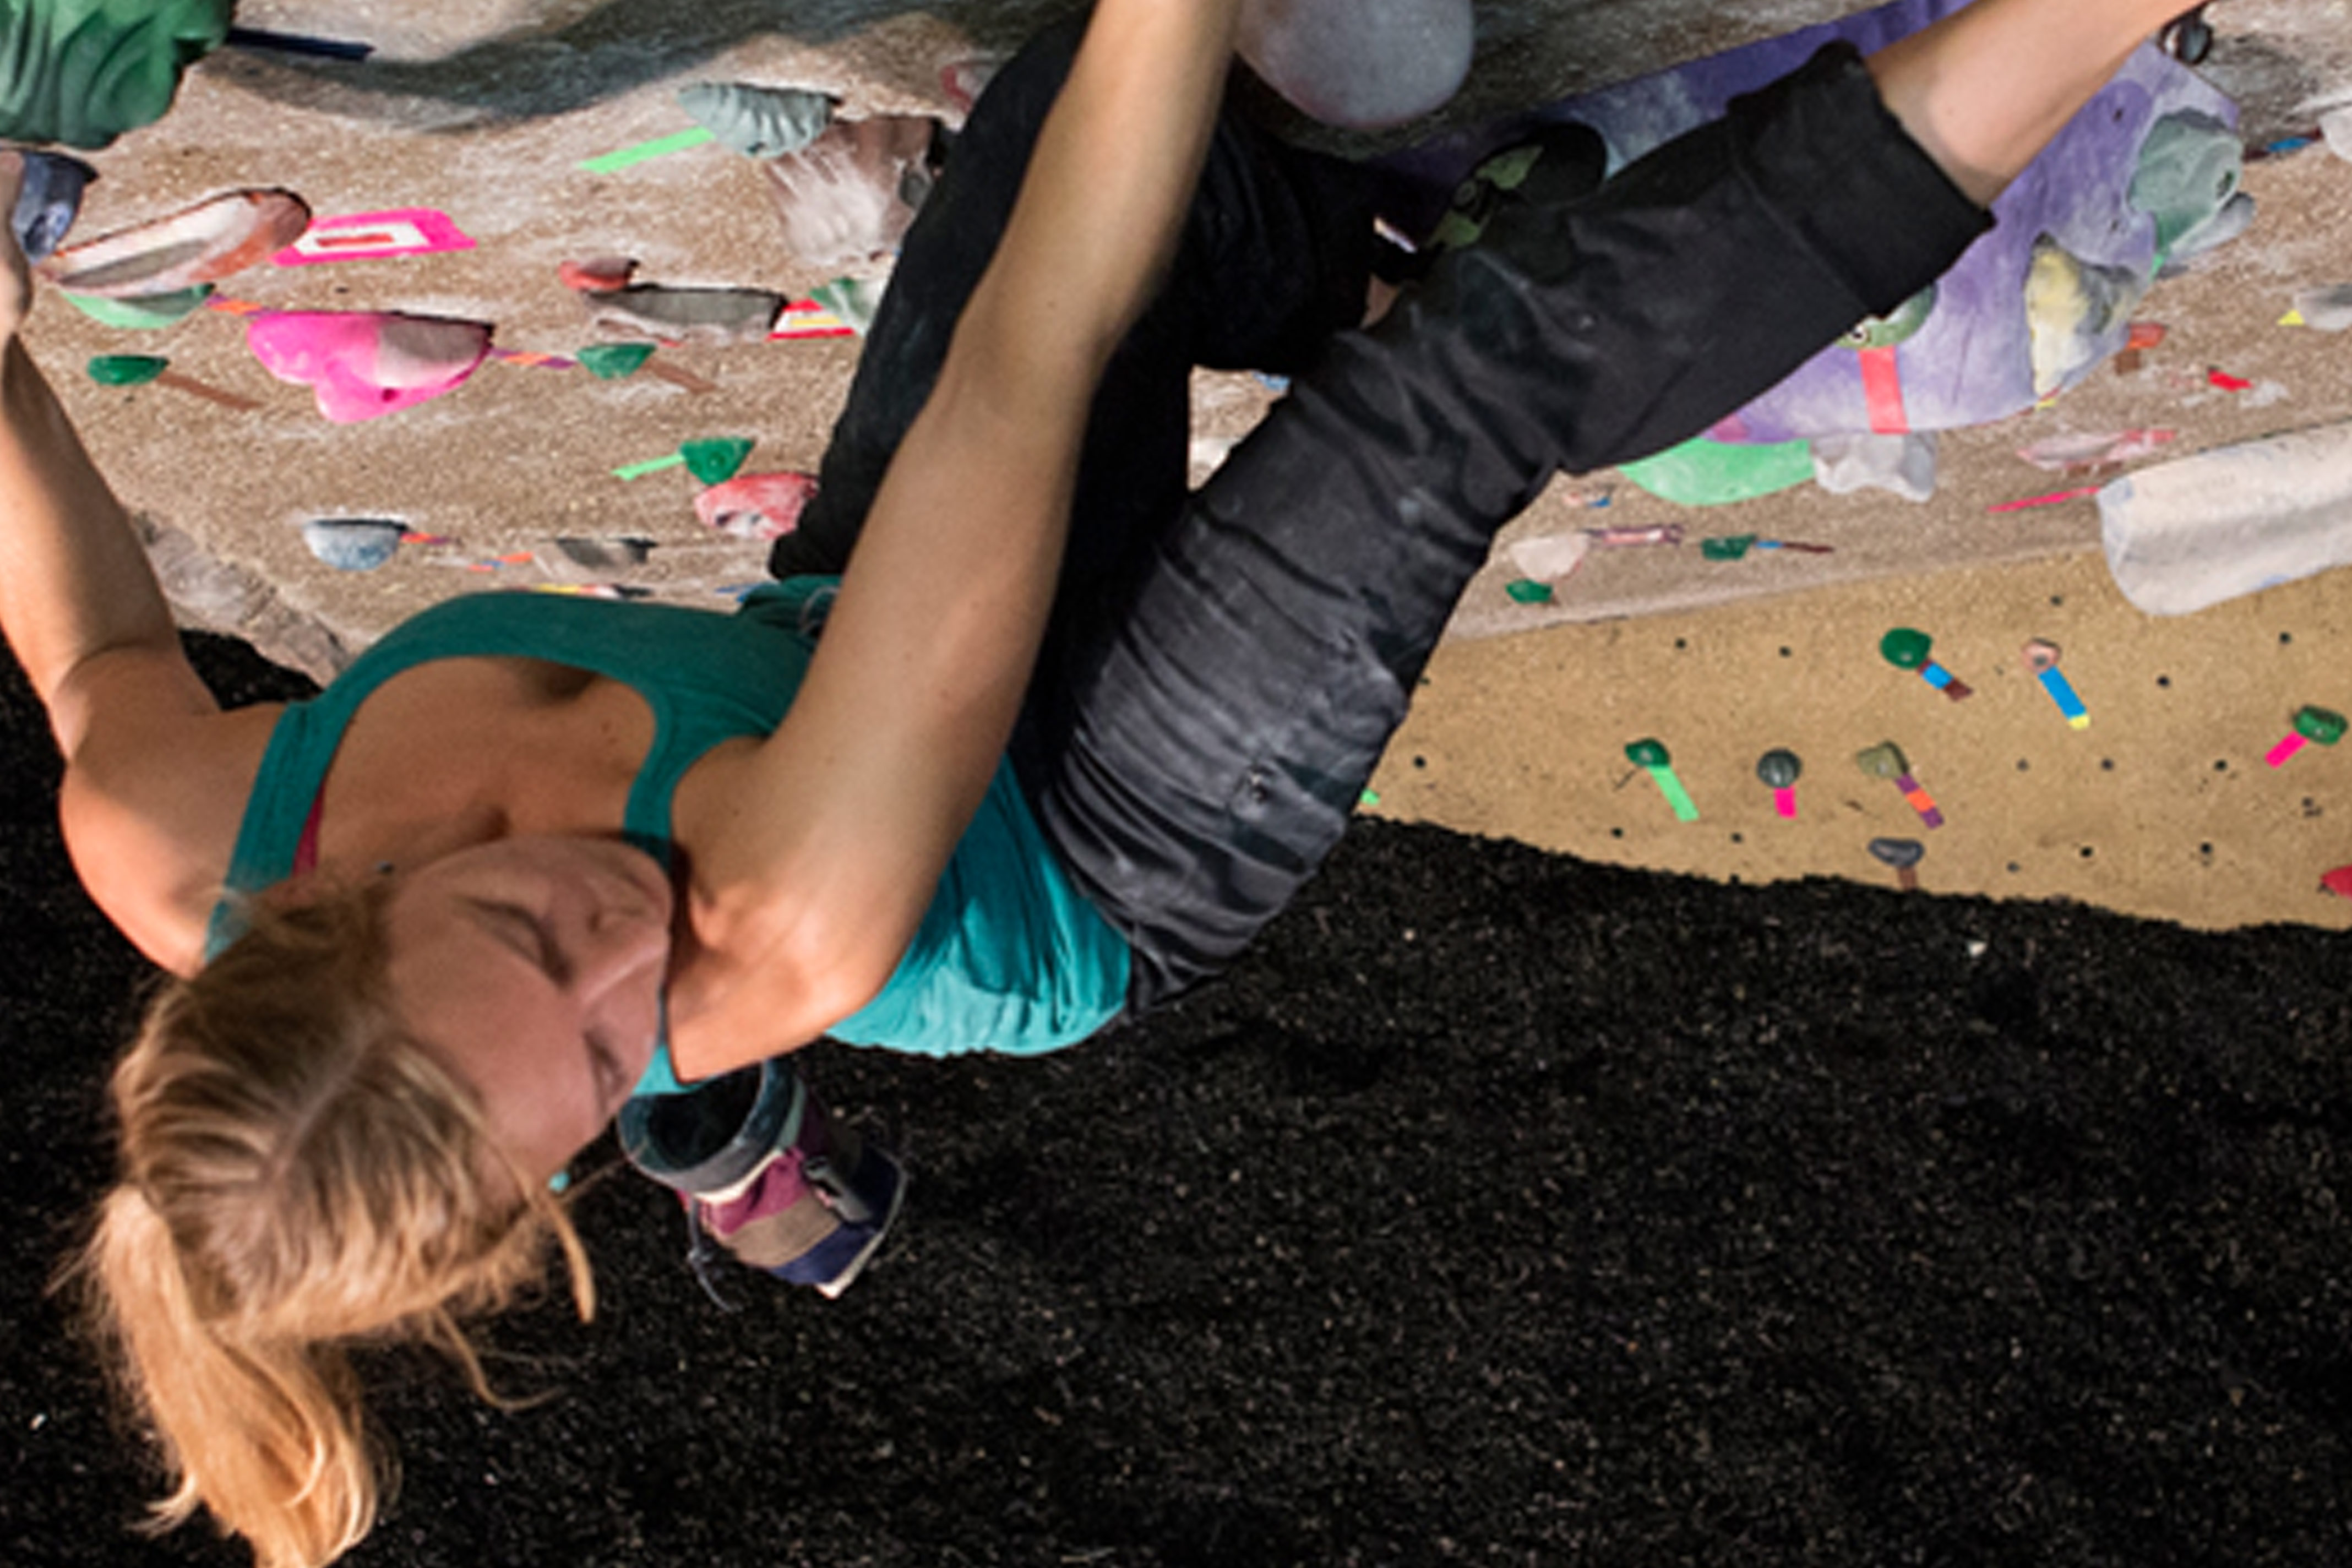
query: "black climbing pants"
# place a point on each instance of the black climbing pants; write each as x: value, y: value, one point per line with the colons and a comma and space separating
x: 1225, y: 667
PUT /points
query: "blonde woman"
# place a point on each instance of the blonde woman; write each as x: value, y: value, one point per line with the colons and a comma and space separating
x: 663, y: 844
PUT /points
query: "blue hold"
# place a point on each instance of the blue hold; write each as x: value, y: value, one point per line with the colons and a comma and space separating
x: 49, y: 201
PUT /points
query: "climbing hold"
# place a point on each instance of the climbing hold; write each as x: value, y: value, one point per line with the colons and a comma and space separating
x: 2322, y: 726
x: 758, y: 122
x: 1904, y: 855
x: 2081, y: 454
x: 1705, y: 472
x: 2041, y: 663
x: 1525, y: 592
x: 1886, y: 761
x: 2327, y: 310
x: 1780, y: 768
x: 142, y: 312
x: 197, y: 245
x: 714, y: 460
x: 2226, y: 382
x: 1362, y: 64
x: 2078, y: 312
x: 49, y: 201
x: 852, y: 301
x: 605, y: 554
x: 713, y: 316
x: 756, y: 506
x: 138, y: 370
x: 598, y: 275
x: 354, y: 544
x: 362, y: 364
x: 1652, y: 757
x: 85, y: 72
x: 2339, y: 882
x: 614, y: 362
x: 964, y: 80
x: 1551, y: 558
x: 848, y: 197
x: 1903, y: 465
x: 1730, y: 547
x: 1908, y: 649
x: 126, y: 370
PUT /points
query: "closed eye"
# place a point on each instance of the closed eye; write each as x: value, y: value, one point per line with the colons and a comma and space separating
x: 522, y: 930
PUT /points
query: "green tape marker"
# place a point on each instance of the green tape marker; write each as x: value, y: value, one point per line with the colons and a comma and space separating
x: 645, y: 151
x: 650, y: 466
x: 1653, y: 758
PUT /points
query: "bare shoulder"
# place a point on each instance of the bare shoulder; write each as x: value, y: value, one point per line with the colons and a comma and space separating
x: 150, y: 807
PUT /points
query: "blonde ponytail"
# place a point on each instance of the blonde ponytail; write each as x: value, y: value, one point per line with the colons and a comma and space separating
x: 297, y: 1173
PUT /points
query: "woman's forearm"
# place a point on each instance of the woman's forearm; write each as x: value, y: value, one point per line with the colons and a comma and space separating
x: 75, y: 582
x: 1985, y: 89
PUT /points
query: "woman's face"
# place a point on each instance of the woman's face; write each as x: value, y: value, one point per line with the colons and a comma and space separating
x: 533, y: 967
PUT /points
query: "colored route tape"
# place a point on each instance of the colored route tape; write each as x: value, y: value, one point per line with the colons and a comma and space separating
x: 644, y: 152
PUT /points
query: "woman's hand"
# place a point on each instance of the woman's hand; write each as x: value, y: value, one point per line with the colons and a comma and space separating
x: 15, y: 276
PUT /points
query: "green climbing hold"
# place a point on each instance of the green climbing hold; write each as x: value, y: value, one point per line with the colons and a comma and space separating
x: 1884, y: 760
x: 1906, y: 649
x: 1649, y: 753
x: 1898, y: 326
x: 1730, y: 547
x: 143, y: 312
x: 714, y: 461
x: 1527, y: 592
x: 1701, y: 472
x: 1780, y: 767
x: 2324, y: 725
x: 84, y: 71
x: 612, y: 362
x: 127, y: 370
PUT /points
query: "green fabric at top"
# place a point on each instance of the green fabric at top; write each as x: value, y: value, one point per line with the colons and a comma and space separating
x: 84, y: 71
x: 1010, y: 956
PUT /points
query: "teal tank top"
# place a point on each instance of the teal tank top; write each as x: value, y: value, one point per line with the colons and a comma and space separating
x: 1010, y: 956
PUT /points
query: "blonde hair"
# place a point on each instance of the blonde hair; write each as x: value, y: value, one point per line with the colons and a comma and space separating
x: 297, y: 1173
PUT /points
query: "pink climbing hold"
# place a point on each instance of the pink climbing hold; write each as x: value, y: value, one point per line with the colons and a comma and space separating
x: 201, y: 244
x: 364, y: 364
x: 756, y: 506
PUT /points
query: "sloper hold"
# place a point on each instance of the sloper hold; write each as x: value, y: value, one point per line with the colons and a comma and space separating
x: 214, y: 238
x: 354, y: 544
x: 142, y: 312
x: 364, y: 364
x: 758, y: 122
x: 710, y: 316
x: 1360, y: 63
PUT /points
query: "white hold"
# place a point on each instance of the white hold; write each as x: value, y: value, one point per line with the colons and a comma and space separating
x: 1904, y: 465
x: 1551, y: 557
x: 2185, y: 535
x: 1360, y: 63
x: 2335, y: 127
x: 2325, y: 309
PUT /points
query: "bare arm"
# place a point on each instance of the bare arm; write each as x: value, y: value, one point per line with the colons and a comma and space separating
x: 154, y: 772
x: 1986, y: 88
x: 810, y: 879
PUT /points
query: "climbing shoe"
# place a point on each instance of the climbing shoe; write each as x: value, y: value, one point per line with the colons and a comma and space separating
x: 767, y: 1175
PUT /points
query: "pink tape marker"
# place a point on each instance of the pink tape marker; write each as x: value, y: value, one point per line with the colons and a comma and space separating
x: 374, y: 236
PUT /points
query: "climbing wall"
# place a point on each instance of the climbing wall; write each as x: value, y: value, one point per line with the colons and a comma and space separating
x: 485, y: 168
